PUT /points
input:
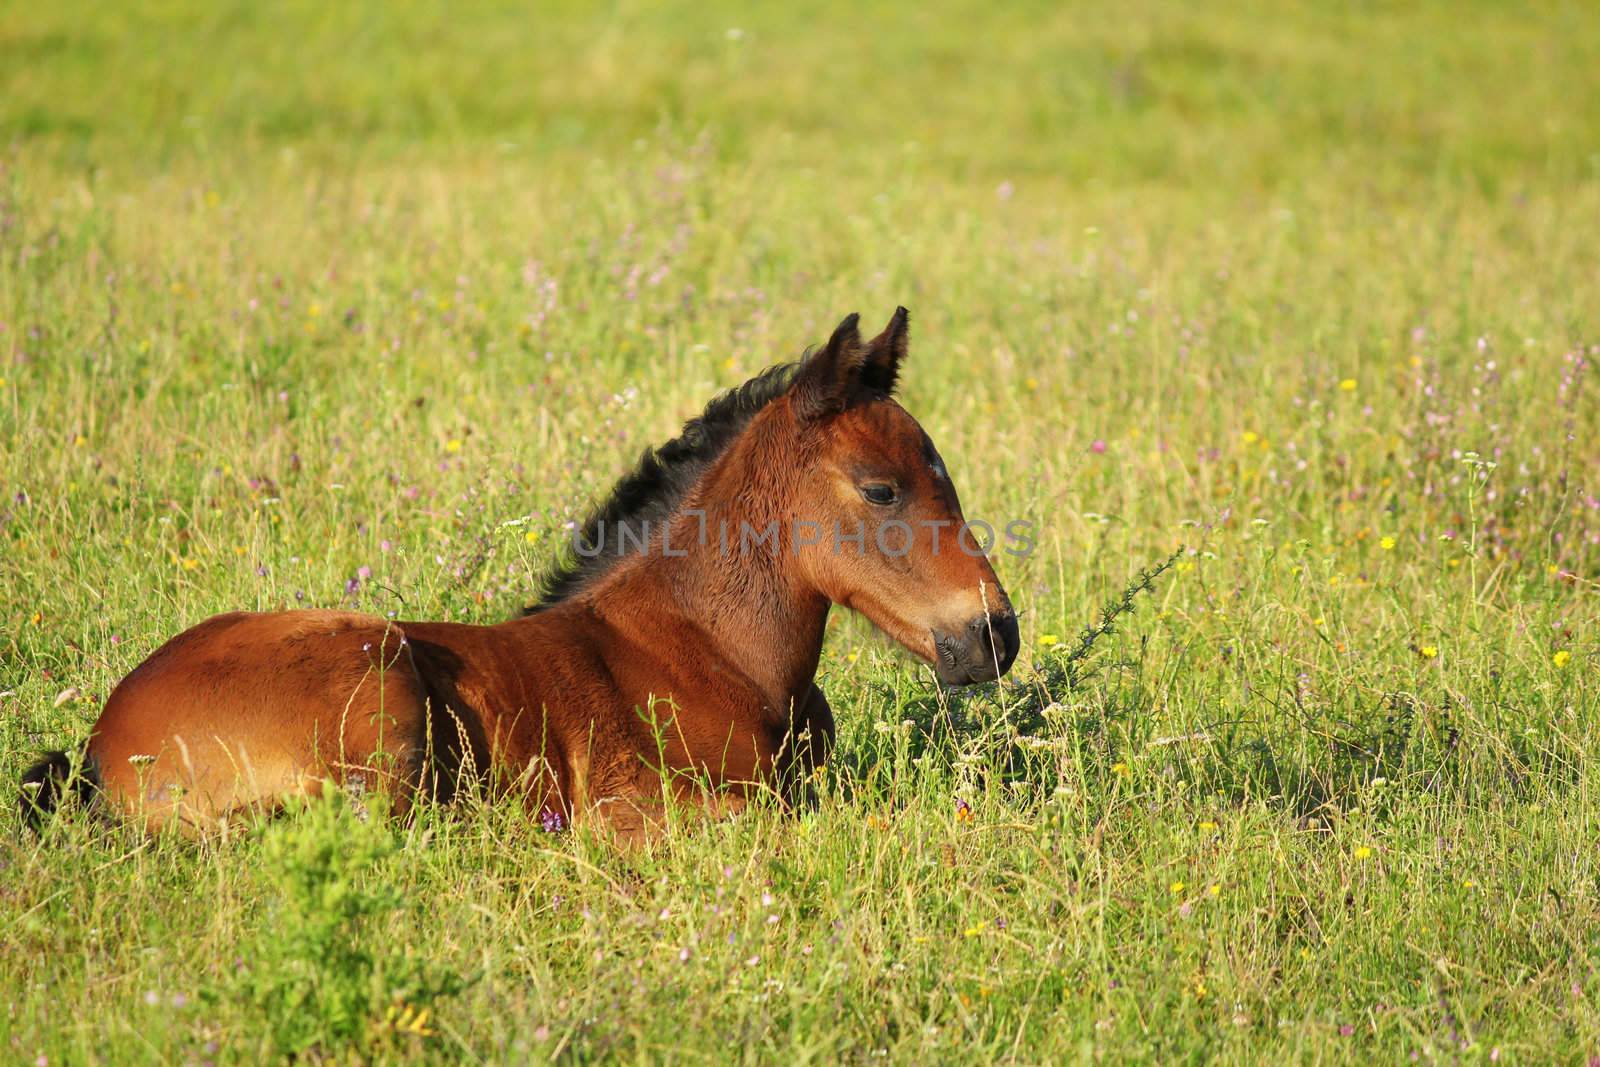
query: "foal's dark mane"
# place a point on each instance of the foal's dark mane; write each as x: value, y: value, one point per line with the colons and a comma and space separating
x: 652, y: 491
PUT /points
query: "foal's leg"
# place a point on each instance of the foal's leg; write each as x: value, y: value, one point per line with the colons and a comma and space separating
x: 637, y: 811
x: 640, y: 814
x: 806, y: 747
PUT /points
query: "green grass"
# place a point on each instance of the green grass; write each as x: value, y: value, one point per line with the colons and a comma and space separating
x: 286, y: 292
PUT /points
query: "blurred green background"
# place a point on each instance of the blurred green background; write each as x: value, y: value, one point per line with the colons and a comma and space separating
x: 1245, y: 94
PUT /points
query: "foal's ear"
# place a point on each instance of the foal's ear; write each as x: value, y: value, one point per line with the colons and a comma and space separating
x: 829, y: 376
x: 884, y: 353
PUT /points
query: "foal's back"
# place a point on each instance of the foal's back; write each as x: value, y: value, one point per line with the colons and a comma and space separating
x: 246, y: 711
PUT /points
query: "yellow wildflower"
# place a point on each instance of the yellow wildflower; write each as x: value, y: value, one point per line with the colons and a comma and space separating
x: 1562, y: 658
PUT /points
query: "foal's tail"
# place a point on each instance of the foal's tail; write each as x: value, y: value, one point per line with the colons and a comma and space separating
x: 46, y: 782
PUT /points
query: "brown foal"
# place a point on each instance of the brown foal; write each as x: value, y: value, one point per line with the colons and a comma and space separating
x: 674, y: 654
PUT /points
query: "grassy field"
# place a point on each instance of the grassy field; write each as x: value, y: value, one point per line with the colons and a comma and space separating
x: 300, y: 306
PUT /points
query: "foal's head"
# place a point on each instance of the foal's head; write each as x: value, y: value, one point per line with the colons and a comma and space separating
x: 878, y: 527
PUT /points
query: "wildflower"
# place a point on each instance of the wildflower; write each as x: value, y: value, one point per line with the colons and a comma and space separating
x: 1049, y: 639
x: 1386, y: 543
x: 1215, y: 890
x: 1561, y: 658
x: 1097, y: 446
x: 552, y: 821
x: 972, y: 931
x: 1207, y: 826
x: 1176, y: 887
x: 963, y: 811
x: 1363, y: 852
x: 1120, y: 768
x: 1430, y: 651
x: 453, y: 445
x: 1348, y: 385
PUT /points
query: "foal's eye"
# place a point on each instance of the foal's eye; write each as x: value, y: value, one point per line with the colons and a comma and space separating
x: 880, y: 493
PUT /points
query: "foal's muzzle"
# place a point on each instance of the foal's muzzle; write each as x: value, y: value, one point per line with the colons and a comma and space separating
x: 980, y: 651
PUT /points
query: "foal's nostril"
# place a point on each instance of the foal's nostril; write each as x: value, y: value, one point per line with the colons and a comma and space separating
x: 997, y: 637
x: 1008, y: 638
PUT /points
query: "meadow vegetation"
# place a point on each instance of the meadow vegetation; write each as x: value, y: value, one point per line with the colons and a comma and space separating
x: 359, y: 305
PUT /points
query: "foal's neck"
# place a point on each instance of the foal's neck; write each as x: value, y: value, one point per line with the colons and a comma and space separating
x: 711, y: 567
